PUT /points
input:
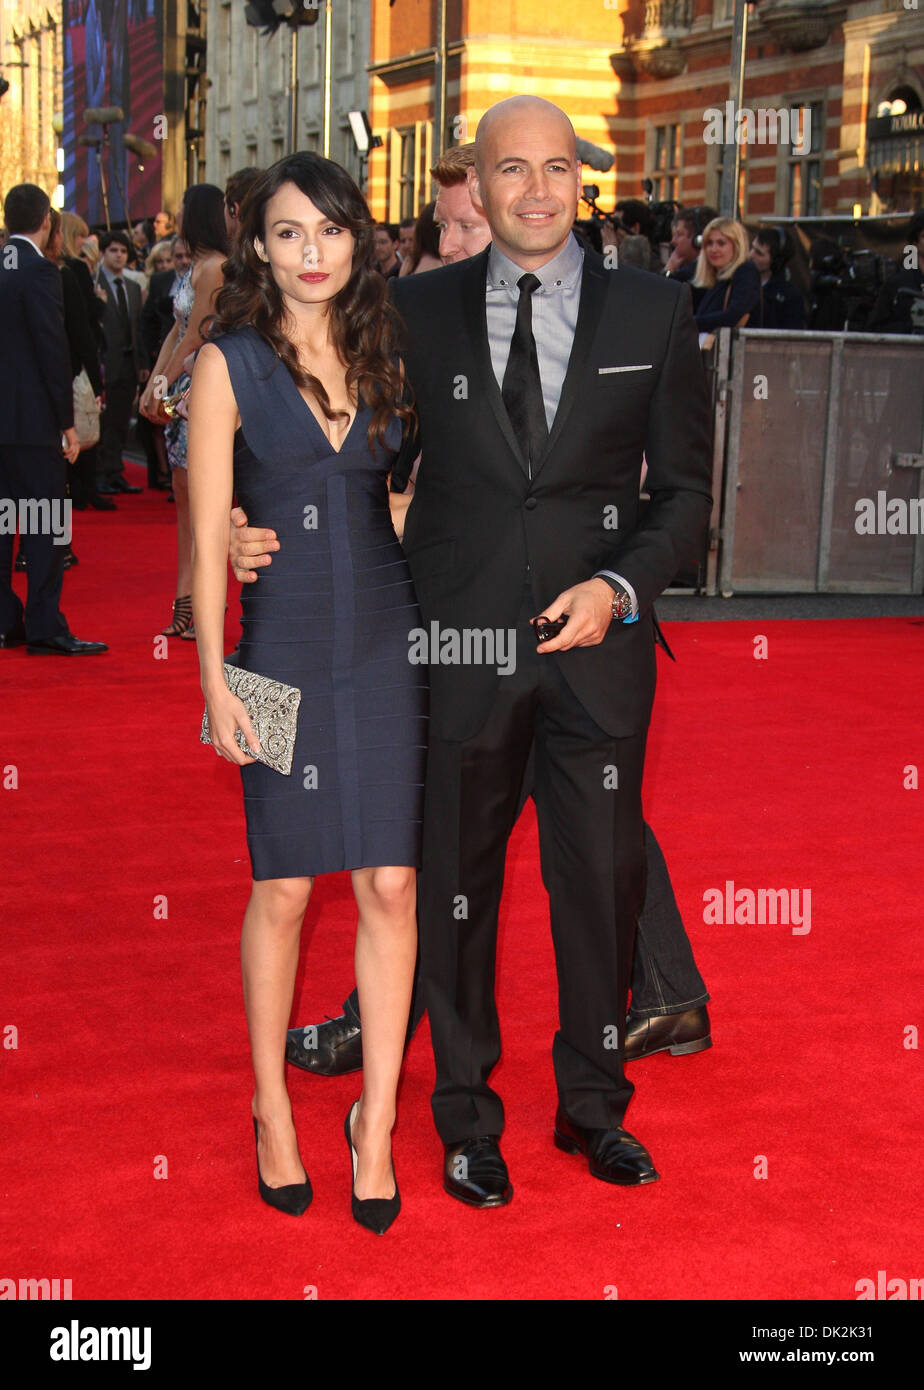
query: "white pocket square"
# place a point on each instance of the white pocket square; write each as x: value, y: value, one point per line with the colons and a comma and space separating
x: 641, y: 367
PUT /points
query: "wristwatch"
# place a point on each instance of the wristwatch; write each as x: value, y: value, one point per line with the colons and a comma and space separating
x: 622, y: 605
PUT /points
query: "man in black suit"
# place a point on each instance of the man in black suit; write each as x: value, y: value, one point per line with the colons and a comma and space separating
x: 540, y: 378
x: 37, y: 409
x: 123, y: 358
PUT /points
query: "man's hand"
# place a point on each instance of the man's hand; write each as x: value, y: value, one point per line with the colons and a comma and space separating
x: 248, y: 547
x: 590, y: 611
x: 72, y: 447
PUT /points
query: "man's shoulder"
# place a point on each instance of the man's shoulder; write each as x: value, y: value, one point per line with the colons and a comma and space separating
x: 414, y: 291
x: 23, y: 274
x: 643, y: 285
x: 26, y: 257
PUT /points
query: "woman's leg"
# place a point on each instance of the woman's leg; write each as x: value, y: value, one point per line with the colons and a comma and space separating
x: 183, y: 532
x: 386, y: 950
x: 269, y: 957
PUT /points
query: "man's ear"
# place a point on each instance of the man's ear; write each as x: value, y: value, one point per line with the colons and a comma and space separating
x: 474, y: 189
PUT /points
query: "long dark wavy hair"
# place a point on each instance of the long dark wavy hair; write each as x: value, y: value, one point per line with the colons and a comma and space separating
x: 204, y: 226
x: 365, y: 328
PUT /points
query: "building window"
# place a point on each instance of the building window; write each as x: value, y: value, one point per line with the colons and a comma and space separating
x: 723, y: 11
x: 410, y: 154
x: 406, y: 175
x: 805, y: 157
x: 666, y: 162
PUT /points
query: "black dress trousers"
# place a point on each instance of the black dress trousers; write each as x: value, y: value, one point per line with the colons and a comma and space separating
x: 588, y: 802
x: 39, y: 472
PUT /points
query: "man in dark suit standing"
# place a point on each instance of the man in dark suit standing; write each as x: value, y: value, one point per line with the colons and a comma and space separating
x: 123, y: 358
x: 37, y: 409
x: 541, y: 377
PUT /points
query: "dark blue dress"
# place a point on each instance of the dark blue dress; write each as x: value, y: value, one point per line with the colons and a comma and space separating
x: 332, y: 615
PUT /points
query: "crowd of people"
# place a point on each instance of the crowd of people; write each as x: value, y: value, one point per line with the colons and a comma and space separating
x: 134, y: 306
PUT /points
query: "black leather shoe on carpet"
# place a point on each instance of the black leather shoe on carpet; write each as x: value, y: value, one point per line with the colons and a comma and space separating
x: 334, y: 1048
x: 68, y: 645
x: 678, y: 1034
x: 613, y: 1155
x: 475, y: 1173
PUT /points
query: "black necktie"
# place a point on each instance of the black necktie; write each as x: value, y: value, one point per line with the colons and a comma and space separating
x: 522, y: 388
x: 123, y: 306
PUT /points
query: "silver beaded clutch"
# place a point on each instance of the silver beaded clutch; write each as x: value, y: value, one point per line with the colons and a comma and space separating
x: 273, y: 710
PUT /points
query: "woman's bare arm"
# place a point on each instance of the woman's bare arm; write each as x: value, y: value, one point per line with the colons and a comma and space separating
x: 213, y: 418
x: 207, y: 280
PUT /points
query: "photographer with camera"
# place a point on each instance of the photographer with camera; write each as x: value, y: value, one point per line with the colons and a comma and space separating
x: 901, y: 293
x: 685, y: 238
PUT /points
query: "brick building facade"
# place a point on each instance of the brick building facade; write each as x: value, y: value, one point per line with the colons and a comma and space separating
x: 638, y: 79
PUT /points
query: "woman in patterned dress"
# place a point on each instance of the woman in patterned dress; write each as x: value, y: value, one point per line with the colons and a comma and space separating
x: 201, y: 219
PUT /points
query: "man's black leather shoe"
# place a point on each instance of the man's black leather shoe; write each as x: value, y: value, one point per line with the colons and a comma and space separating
x: 334, y: 1048
x: 101, y: 504
x: 68, y: 645
x: 475, y: 1173
x: 15, y: 637
x: 106, y: 489
x: 121, y: 484
x: 70, y: 559
x: 678, y: 1033
x: 613, y: 1155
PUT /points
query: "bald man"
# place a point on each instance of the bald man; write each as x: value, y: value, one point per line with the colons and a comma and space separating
x: 541, y: 377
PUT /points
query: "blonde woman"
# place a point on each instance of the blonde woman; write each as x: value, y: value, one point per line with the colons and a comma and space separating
x: 90, y: 251
x: 160, y: 257
x: 730, y: 280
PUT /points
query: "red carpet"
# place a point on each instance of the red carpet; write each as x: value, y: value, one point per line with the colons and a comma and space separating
x: 132, y: 1046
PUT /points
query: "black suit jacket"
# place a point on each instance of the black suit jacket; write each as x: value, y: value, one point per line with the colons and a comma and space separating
x: 36, y: 384
x: 477, y: 520
x: 157, y: 316
x: 115, y: 363
x: 81, y: 337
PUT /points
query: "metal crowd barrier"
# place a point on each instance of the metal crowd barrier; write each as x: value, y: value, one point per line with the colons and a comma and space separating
x: 818, y: 463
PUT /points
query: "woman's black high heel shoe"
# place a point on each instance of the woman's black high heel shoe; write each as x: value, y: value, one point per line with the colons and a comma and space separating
x: 375, y: 1213
x: 294, y: 1198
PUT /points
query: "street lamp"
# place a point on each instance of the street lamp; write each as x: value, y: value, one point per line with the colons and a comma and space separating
x: 363, y: 139
x: 267, y: 16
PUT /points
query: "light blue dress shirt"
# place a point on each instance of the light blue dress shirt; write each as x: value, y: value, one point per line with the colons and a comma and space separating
x: 554, y: 315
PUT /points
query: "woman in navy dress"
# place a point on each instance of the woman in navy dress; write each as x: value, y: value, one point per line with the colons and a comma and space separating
x: 298, y: 406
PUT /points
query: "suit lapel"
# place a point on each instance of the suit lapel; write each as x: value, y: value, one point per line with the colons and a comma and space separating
x: 593, y: 293
x: 473, y: 298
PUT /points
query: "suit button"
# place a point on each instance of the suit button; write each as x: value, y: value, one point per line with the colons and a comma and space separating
x: 530, y: 503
